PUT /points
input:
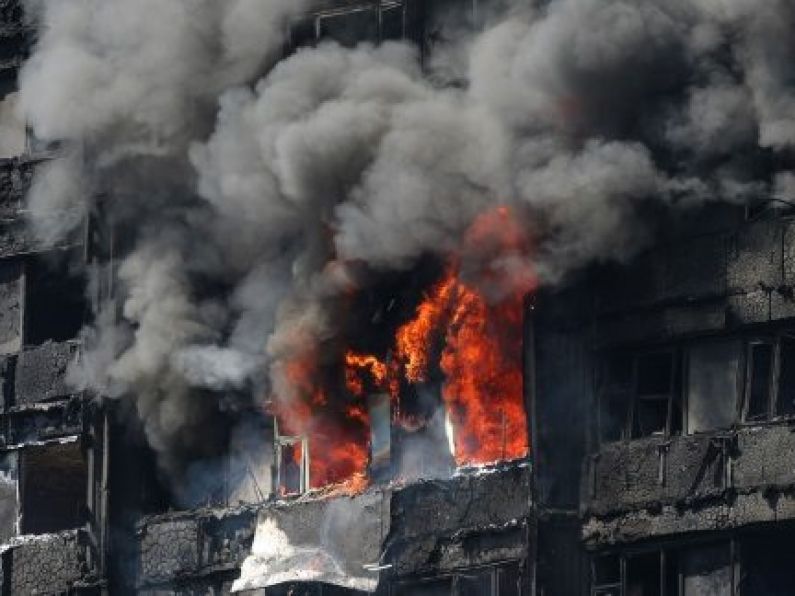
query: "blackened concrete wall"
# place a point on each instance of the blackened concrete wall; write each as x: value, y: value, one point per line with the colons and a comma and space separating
x: 710, y: 283
x: 655, y: 487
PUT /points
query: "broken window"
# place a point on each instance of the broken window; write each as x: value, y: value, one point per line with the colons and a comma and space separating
x: 380, y: 414
x: 694, y: 571
x: 307, y: 589
x: 768, y: 563
x: 644, y: 575
x: 349, y: 28
x: 759, y: 380
x: 654, y: 394
x: 53, y: 487
x: 712, y: 385
x: 614, y: 396
x: 292, y: 463
x: 785, y: 403
x: 303, y: 34
x: 706, y: 570
x: 437, y: 587
x: 55, y: 304
x: 498, y: 580
x: 606, y: 576
x: 642, y: 389
x: 393, y: 22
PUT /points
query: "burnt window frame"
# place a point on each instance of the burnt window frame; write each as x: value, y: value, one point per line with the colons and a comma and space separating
x: 453, y: 579
x: 629, y: 429
x: 42, y: 277
x: 30, y: 494
x: 739, y: 380
x: 677, y: 423
x: 674, y: 392
x: 669, y: 556
x: 749, y: 378
x: 308, y: 31
x: 774, y: 410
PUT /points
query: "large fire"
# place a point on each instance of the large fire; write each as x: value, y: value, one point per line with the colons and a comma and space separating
x: 468, y: 326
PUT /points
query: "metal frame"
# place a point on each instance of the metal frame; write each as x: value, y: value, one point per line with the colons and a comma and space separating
x: 281, y: 441
x: 663, y: 550
x: 681, y: 367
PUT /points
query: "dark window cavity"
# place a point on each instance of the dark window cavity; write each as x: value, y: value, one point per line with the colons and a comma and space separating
x: 712, y: 385
x: 759, y: 381
x: 53, y: 487
x: 55, y: 304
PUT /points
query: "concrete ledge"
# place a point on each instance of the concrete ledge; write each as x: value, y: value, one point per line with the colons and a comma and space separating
x: 656, y: 486
x: 732, y: 510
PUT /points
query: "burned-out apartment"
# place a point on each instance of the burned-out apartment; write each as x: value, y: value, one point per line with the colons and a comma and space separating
x: 401, y: 297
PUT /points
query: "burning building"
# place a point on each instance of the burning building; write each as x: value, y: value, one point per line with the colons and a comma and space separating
x: 439, y: 298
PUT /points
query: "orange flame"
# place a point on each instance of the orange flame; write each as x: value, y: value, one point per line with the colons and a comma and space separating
x: 471, y: 321
x: 337, y: 446
x: 483, y: 391
x: 413, y: 340
x: 359, y: 367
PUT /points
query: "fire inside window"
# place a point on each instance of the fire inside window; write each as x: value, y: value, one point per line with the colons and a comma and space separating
x: 426, y: 376
x: 292, y: 461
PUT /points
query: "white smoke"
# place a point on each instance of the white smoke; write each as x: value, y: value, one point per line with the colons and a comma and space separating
x: 252, y: 200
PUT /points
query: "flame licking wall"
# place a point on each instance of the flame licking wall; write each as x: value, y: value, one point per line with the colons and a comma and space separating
x: 259, y: 200
x: 467, y: 327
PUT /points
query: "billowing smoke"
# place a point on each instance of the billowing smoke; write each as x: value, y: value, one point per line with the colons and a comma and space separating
x: 251, y: 195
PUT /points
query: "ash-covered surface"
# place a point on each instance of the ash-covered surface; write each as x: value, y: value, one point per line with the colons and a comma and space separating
x: 333, y: 541
x: 174, y: 547
x: 656, y: 487
x: 469, y: 520
x: 169, y: 549
x: 47, y: 564
x: 475, y: 518
x: 41, y: 372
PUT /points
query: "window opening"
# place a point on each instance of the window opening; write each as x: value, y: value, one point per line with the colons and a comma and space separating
x: 706, y: 570
x: 786, y: 379
x: 654, y: 388
x: 55, y: 303
x: 712, y: 385
x: 606, y: 576
x: 644, y: 575
x: 759, y: 380
x: 54, y: 487
x: 614, y: 396
x: 292, y: 462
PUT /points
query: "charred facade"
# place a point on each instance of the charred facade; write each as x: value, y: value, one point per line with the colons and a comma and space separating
x: 650, y: 455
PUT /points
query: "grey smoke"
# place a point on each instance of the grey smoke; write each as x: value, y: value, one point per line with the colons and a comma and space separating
x: 56, y: 201
x: 213, y: 367
x: 276, y: 184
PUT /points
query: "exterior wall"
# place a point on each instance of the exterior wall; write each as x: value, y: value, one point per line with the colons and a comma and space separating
x: 675, y: 491
x: 470, y: 520
x: 437, y: 528
x: 707, y: 284
x: 47, y: 564
x: 660, y: 487
x: 176, y: 548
